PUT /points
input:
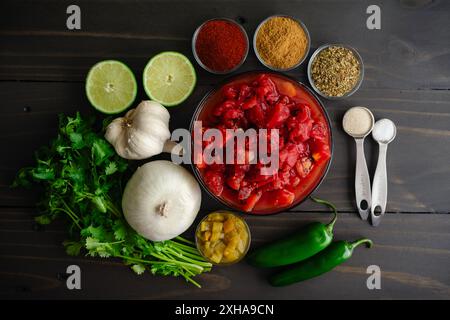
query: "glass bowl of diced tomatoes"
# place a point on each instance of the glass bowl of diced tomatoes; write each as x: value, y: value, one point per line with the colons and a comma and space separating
x: 248, y: 181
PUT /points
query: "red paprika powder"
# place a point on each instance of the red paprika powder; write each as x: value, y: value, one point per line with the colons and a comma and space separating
x: 221, y: 45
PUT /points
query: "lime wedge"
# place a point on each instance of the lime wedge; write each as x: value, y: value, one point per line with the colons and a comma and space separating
x: 111, y: 86
x: 169, y: 78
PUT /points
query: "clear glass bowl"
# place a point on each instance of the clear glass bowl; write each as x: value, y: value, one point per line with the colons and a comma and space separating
x: 197, y: 58
x: 247, y: 247
x: 214, y: 95
x: 361, y: 73
x: 262, y: 60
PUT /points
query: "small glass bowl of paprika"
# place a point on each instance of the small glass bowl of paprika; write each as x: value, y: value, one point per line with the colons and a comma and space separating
x: 220, y: 45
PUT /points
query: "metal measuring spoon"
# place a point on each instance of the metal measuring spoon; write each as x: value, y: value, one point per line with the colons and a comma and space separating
x: 363, y: 194
x: 383, y: 132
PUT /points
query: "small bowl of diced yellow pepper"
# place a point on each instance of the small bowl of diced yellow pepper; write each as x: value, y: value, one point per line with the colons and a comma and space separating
x: 222, y: 237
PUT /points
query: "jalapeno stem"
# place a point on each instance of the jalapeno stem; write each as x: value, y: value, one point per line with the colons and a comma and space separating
x: 330, y: 225
x: 356, y: 243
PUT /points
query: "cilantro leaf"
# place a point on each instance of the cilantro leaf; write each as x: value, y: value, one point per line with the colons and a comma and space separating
x: 111, y: 168
x: 43, y: 173
x: 73, y: 248
x: 138, y: 268
x: 120, y: 230
x: 43, y: 219
x: 101, y: 150
x: 77, y: 140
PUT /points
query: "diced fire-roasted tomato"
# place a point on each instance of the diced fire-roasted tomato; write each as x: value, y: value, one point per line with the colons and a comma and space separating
x: 279, y: 115
x: 303, y: 142
x: 320, y: 152
x: 257, y: 116
x: 283, y: 197
x: 234, y: 181
x: 245, y: 190
x: 319, y: 131
x: 214, y: 180
x: 303, y: 167
x: 249, y: 103
x: 251, y: 201
x: 221, y: 108
x: 230, y: 92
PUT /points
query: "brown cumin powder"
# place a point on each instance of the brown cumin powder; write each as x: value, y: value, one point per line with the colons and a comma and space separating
x: 281, y: 42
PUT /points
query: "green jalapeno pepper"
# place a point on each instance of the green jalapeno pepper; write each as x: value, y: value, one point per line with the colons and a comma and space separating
x: 305, y: 243
x: 335, y: 254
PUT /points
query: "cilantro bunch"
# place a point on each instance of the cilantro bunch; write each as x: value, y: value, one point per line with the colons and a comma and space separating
x: 82, y: 177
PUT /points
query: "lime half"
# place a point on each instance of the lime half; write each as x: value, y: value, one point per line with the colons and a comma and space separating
x: 169, y: 78
x: 111, y: 86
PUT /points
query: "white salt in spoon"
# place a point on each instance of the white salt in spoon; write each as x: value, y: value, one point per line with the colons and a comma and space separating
x: 358, y: 122
x: 383, y: 132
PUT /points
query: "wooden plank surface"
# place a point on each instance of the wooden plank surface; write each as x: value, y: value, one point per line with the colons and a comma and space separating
x: 42, y: 71
x: 409, y: 52
x: 413, y: 254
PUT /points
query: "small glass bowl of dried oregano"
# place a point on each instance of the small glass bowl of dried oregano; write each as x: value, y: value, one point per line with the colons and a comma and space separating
x: 335, y: 71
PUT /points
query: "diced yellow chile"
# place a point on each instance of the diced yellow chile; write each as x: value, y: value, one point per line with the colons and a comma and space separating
x: 241, y: 246
x: 205, y: 226
x: 240, y: 227
x: 216, y: 257
x: 232, y: 256
x: 229, y: 225
x: 216, y: 217
x: 231, y: 247
x: 216, y: 231
x: 207, y: 249
x: 234, y: 241
x: 244, y: 236
x: 220, y: 247
x: 230, y: 235
x: 206, y: 235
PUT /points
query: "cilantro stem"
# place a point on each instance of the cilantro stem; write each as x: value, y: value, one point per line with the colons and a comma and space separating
x: 196, y: 257
x: 186, y: 258
x: 184, y: 247
x: 185, y: 240
x: 180, y: 263
x: 75, y: 220
x: 138, y: 260
x: 69, y: 210
x: 195, y: 283
x: 110, y: 205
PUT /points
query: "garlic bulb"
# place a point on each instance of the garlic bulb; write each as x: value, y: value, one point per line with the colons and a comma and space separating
x: 143, y: 132
x: 161, y: 200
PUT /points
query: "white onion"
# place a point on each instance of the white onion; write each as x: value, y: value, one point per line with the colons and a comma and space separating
x: 161, y: 200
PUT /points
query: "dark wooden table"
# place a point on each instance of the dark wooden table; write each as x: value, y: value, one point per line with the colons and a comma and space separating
x: 407, y: 63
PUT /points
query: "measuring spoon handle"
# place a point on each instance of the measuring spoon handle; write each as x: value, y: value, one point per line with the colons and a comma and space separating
x: 362, y: 181
x: 379, y: 195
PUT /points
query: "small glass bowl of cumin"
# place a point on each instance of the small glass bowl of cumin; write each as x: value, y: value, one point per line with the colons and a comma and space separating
x: 267, y: 63
x: 342, y: 92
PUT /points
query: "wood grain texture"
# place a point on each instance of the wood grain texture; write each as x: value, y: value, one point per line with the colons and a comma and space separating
x: 413, y: 254
x: 411, y: 50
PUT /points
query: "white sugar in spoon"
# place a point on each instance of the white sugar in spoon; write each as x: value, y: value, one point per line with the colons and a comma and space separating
x: 383, y: 132
x: 358, y: 122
